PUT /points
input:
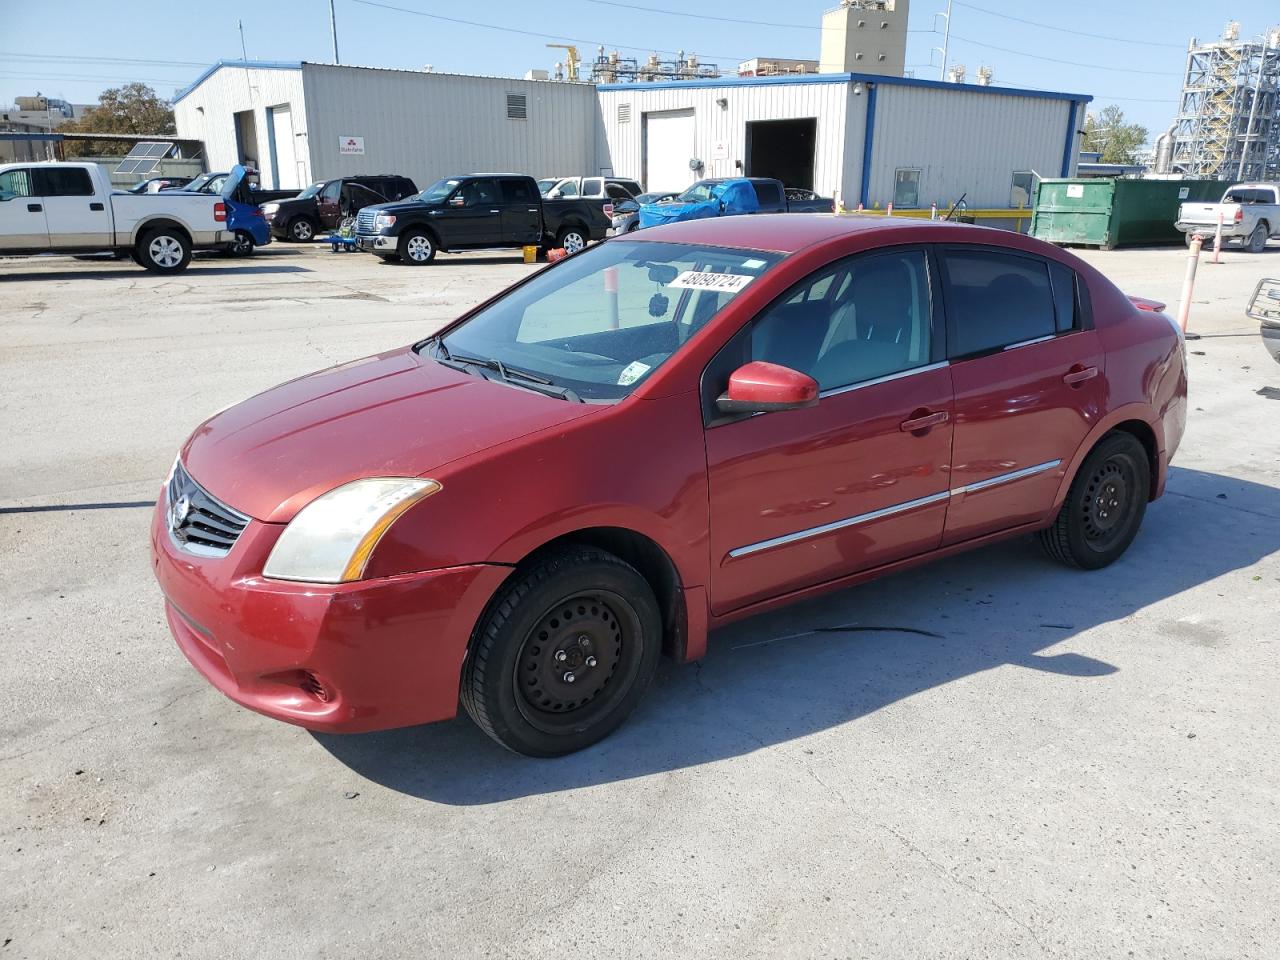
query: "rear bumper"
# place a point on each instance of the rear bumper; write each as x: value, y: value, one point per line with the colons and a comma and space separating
x: 344, y: 658
x: 1231, y: 229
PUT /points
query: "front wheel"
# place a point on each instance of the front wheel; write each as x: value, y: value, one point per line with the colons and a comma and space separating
x: 417, y: 247
x: 1257, y: 242
x: 572, y: 240
x: 1104, y: 506
x: 563, y: 654
x: 302, y: 230
x: 163, y: 250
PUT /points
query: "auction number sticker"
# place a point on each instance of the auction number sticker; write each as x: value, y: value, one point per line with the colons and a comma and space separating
x: 719, y: 282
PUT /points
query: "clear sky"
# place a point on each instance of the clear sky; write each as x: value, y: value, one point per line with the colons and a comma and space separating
x: 1135, y: 56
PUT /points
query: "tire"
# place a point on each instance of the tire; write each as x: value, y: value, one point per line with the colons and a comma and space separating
x: 163, y: 250
x: 416, y: 247
x: 302, y: 229
x: 242, y: 246
x: 1257, y: 242
x: 1104, y: 507
x: 572, y: 239
x: 1187, y: 237
x: 635, y: 225
x: 578, y: 623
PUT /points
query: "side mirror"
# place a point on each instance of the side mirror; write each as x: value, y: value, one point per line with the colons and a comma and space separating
x: 458, y: 201
x: 554, y: 195
x: 760, y: 387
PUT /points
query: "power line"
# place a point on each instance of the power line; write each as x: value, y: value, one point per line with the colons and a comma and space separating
x: 62, y: 58
x: 529, y: 33
x: 1070, y: 63
x: 74, y: 77
x: 1078, y: 33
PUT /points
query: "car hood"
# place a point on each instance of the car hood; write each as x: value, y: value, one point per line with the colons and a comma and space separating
x: 394, y: 414
x: 404, y: 206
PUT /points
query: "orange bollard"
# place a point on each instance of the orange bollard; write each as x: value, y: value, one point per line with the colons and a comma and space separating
x: 888, y: 211
x: 1189, y: 282
x: 611, y: 292
x: 1217, y: 240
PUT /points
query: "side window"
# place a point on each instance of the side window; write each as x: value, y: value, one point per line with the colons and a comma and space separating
x: 997, y: 300
x: 480, y: 192
x: 906, y: 188
x: 63, y: 182
x: 518, y: 191
x: 1024, y: 185
x: 1064, y: 282
x: 15, y: 183
x: 856, y: 320
x: 616, y: 192
x: 332, y: 190
x: 593, y: 187
x: 767, y: 194
x: 567, y: 188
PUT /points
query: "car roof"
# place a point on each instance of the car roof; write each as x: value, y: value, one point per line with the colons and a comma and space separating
x: 789, y: 233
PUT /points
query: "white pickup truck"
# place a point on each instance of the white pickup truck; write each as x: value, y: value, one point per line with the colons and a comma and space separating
x: 72, y: 208
x: 1250, y: 214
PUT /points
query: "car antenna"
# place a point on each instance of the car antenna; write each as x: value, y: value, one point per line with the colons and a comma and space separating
x: 955, y: 206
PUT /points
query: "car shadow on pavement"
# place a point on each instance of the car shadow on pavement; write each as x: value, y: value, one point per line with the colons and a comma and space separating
x: 827, y: 662
x: 129, y: 272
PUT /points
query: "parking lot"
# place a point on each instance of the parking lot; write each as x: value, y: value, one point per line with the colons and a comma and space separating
x: 991, y: 756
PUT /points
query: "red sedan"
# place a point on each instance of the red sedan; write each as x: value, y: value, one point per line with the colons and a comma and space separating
x: 648, y: 440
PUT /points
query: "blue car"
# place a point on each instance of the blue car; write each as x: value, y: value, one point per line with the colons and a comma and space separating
x: 245, y: 220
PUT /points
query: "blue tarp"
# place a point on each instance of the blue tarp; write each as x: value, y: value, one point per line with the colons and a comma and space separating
x: 728, y: 198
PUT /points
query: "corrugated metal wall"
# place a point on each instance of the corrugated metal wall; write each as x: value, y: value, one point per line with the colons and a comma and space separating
x: 430, y: 125
x: 726, y: 125
x: 964, y: 142
x: 208, y: 113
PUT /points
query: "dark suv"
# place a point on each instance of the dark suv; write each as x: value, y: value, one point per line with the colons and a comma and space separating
x: 324, y: 205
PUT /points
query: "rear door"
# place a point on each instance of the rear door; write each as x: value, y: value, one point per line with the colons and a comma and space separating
x: 22, y: 219
x: 521, y: 211
x: 75, y: 217
x: 1030, y: 382
x: 769, y: 196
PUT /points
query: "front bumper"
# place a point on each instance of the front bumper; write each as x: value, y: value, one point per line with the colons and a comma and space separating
x: 376, y: 243
x: 1271, y: 340
x: 345, y: 658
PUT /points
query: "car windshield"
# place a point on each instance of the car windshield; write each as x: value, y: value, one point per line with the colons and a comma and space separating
x: 651, y: 197
x: 196, y: 185
x: 311, y: 191
x: 439, y: 190
x: 600, y: 323
x: 699, y: 191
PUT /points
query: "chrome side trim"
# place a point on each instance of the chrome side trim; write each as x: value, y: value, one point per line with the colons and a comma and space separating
x: 838, y: 525
x: 1005, y: 478
x: 835, y: 391
x: 1027, y: 343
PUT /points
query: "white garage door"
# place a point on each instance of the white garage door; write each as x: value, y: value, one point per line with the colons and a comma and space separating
x: 668, y: 147
x: 289, y: 176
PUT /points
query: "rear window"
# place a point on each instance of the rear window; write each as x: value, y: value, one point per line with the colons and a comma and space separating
x: 1249, y: 195
x: 997, y: 300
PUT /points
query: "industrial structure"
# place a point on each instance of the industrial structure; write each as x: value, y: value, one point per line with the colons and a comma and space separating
x: 1228, y: 125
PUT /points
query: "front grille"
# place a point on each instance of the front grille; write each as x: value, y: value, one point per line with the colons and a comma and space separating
x: 364, y: 221
x: 197, y: 522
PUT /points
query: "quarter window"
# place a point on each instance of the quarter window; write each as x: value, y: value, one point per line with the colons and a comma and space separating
x: 857, y: 320
x: 998, y: 299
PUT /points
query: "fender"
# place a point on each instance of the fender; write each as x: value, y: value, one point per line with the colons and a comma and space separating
x: 167, y: 220
x: 1130, y: 411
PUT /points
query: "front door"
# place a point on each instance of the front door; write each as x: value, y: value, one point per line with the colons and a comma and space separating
x: 22, y: 219
x: 521, y: 211
x: 329, y: 205
x: 1030, y: 383
x: 806, y: 496
x: 472, y: 217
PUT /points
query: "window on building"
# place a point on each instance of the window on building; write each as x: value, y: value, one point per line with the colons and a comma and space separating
x: 517, y: 106
x: 1024, y: 185
x: 997, y: 300
x: 860, y: 319
x: 15, y: 183
x: 906, y: 188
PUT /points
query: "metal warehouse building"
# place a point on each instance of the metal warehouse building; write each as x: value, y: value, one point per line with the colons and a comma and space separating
x: 861, y: 137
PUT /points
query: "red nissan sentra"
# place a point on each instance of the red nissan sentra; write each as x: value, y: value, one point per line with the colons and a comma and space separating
x: 647, y: 440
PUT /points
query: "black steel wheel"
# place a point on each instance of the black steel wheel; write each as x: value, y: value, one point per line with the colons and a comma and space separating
x: 1104, y: 506
x: 563, y: 654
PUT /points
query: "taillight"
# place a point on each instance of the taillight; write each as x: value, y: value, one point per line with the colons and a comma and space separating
x: 608, y: 209
x: 1239, y: 214
x: 220, y: 212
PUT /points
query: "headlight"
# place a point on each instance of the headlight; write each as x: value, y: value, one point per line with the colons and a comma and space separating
x: 268, y: 209
x: 383, y: 220
x: 331, y: 538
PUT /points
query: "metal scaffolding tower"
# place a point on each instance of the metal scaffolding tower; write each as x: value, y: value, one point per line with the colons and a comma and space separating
x: 1228, y: 125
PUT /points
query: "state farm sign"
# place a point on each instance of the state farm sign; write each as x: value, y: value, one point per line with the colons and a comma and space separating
x: 351, y: 144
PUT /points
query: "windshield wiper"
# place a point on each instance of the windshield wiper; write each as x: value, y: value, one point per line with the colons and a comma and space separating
x: 528, y: 380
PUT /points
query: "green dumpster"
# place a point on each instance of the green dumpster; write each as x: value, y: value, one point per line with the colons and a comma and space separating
x: 1108, y: 212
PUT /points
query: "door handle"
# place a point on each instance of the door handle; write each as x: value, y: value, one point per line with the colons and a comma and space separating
x: 1078, y: 375
x: 924, y: 421
x: 532, y: 210
x: 35, y: 207
x: 495, y: 211
x: 96, y: 206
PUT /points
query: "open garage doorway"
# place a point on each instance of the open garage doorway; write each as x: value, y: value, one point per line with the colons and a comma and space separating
x: 782, y: 149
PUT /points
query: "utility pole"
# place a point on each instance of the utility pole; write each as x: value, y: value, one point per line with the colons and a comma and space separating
x: 946, y: 41
x: 333, y: 28
x: 243, y: 55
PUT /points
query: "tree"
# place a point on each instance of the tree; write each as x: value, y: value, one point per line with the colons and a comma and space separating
x: 133, y: 108
x: 1107, y: 133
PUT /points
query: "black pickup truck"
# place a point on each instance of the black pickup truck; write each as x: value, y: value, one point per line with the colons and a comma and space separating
x: 474, y: 212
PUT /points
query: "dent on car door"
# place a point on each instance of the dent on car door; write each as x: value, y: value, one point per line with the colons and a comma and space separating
x: 1030, y: 382
x: 806, y: 496
x: 22, y: 219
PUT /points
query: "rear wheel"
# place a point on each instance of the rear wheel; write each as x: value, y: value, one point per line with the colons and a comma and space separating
x: 564, y: 653
x: 242, y: 245
x: 1104, y: 506
x: 1258, y: 239
x: 417, y: 247
x: 572, y: 239
x: 302, y: 229
x: 163, y: 250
